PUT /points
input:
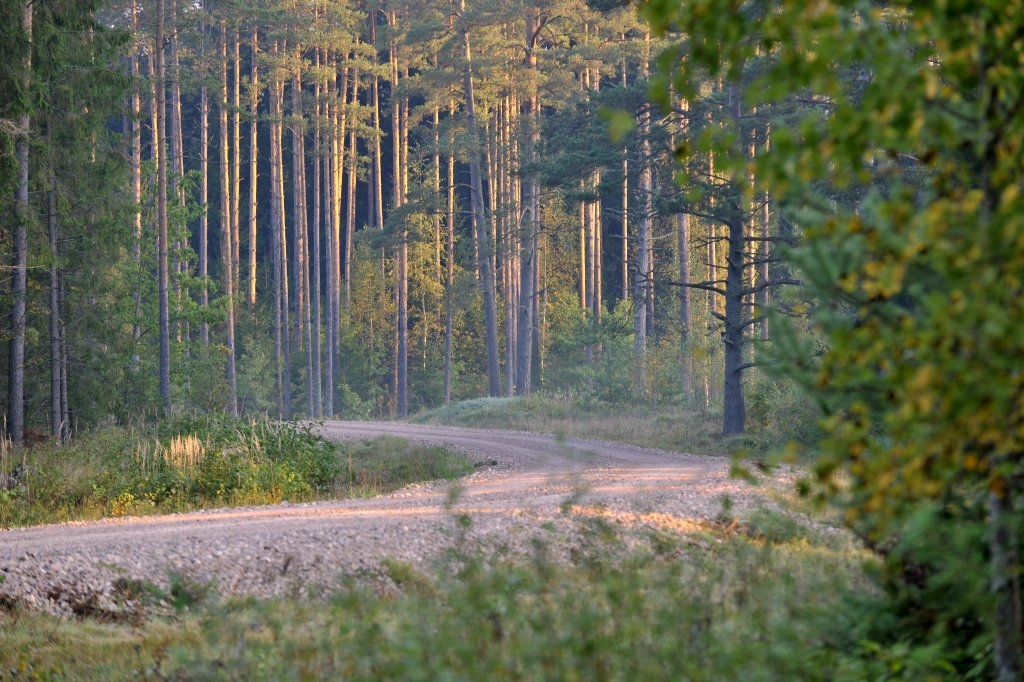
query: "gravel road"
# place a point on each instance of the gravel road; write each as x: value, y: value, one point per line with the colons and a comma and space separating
x: 526, y: 486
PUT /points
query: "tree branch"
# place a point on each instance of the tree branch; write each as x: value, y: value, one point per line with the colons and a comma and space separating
x: 766, y: 285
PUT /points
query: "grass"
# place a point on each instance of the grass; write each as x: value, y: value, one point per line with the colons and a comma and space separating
x: 719, y: 606
x: 387, y: 463
x: 199, y: 461
x: 665, y: 427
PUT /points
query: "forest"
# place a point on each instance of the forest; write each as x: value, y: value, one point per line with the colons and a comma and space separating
x: 311, y: 209
x: 368, y: 208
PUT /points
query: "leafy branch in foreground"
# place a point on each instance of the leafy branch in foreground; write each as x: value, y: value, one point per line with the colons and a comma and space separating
x: 905, y: 178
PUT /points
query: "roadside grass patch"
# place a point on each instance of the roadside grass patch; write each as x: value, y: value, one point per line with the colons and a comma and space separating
x: 195, y: 461
x: 665, y: 427
x: 381, y: 465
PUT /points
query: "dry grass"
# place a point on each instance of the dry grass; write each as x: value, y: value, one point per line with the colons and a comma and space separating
x: 184, y: 452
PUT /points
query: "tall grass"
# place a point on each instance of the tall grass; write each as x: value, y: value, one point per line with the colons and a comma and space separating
x: 193, y: 461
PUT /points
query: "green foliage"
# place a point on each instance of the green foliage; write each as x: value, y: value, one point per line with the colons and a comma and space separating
x: 906, y: 182
x: 589, y: 358
x: 199, y: 460
x: 778, y: 411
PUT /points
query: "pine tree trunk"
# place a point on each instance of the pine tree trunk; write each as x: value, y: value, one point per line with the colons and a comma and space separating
x: 733, y: 412
x: 399, y: 133
x: 450, y: 220
x: 300, y: 219
x: 160, y: 138
x: 479, y: 219
x: 227, y: 227
x: 204, y: 202
x: 685, y: 352
x: 530, y: 238
x: 317, y: 315
x: 135, y: 132
x: 254, y: 101
x: 350, y: 197
x: 278, y: 255
x: 176, y: 146
x: 643, y: 270
x: 56, y: 362
x: 236, y: 161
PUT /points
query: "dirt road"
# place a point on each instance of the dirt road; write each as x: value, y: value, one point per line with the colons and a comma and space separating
x: 527, y: 486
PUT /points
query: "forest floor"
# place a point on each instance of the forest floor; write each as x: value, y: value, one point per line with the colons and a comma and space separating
x: 529, y: 491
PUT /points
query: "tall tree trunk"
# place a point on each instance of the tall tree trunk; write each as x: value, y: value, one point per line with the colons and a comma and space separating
x: 204, y: 198
x: 376, y: 180
x: 732, y: 397
x: 531, y: 235
x: 733, y: 410
x: 350, y: 197
x: 449, y: 260
x: 300, y: 219
x: 399, y: 134
x: 135, y: 131
x: 236, y: 160
x: 279, y: 253
x: 160, y: 138
x: 683, y: 251
x: 56, y: 413
x: 625, y: 204
x: 317, y: 314
x: 254, y: 102
x: 228, y: 232
x: 685, y: 352
x: 330, y: 167
x: 479, y: 219
x: 643, y: 271
x: 176, y: 147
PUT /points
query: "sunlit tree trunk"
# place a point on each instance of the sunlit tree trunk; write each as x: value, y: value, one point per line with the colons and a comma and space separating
x: 399, y: 151
x: 642, y: 284
x: 204, y: 195
x: 160, y: 139
x: 227, y: 197
x: 531, y: 234
x: 299, y: 219
x: 625, y: 204
x: 254, y: 102
x: 319, y: 157
x: 479, y: 218
x: 450, y: 220
x: 135, y: 132
x: 236, y: 162
x: 282, y: 338
x: 350, y: 196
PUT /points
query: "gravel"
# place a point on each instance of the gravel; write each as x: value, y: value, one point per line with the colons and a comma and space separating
x: 527, y: 487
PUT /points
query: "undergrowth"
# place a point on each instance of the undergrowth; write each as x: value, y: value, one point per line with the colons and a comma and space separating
x: 193, y: 461
x: 666, y: 427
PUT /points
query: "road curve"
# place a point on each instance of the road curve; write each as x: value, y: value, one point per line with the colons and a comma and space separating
x: 526, y: 486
